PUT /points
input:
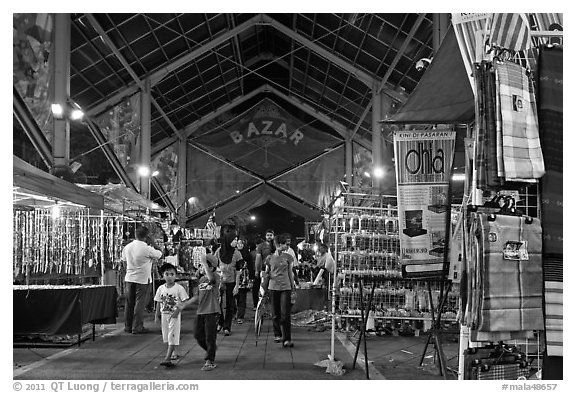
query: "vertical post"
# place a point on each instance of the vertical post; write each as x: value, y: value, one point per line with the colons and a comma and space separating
x: 376, y: 134
x: 349, y: 162
x: 145, y: 147
x: 103, y: 277
x: 440, y: 23
x: 182, y: 181
x: 61, y: 141
x: 387, y: 108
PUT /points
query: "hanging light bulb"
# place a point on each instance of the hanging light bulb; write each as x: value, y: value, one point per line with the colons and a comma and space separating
x: 55, y: 211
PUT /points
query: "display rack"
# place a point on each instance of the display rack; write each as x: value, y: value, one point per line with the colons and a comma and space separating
x: 364, y: 238
x: 365, y: 241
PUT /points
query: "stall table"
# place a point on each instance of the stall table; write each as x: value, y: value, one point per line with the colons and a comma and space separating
x: 60, y: 310
x: 310, y: 299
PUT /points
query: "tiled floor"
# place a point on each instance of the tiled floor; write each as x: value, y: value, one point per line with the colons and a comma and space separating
x: 118, y: 355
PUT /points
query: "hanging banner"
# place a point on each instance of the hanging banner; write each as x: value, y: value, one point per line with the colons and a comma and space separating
x: 267, y: 140
x: 423, y: 170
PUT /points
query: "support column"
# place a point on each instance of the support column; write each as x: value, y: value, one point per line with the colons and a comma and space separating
x: 145, y: 137
x: 182, y: 181
x: 388, y: 108
x: 440, y: 24
x: 61, y: 140
x: 376, y: 135
x: 349, y: 163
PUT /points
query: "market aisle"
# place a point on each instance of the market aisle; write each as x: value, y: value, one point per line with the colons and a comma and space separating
x: 118, y: 355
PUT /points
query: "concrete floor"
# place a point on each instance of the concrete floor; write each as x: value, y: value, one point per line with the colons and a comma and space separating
x: 116, y: 355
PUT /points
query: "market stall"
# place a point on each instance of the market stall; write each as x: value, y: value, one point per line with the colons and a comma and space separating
x: 61, y: 240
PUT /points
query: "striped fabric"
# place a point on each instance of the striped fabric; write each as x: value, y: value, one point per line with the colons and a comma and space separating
x: 511, y: 289
x: 522, y: 153
x: 553, y: 293
x: 511, y: 31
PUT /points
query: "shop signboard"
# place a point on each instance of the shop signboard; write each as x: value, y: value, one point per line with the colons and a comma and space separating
x: 423, y: 171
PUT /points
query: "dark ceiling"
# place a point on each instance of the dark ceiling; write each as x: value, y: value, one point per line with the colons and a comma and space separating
x: 199, y: 63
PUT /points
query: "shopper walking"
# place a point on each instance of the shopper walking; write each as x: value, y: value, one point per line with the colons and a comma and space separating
x: 243, y: 281
x: 168, y: 296
x: 138, y: 256
x: 278, y: 282
x: 208, y: 310
x: 262, y: 251
x: 229, y: 263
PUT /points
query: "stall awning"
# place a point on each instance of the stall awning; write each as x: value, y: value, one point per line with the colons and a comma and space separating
x: 121, y: 199
x: 257, y: 197
x: 443, y: 95
x: 30, y: 178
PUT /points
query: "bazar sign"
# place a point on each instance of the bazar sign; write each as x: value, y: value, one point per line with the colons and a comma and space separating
x: 267, y: 128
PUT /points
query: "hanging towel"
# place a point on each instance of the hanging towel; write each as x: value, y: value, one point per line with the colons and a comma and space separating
x: 554, y: 310
x: 511, y: 265
x: 522, y: 153
x: 480, y: 134
x: 550, y: 105
x: 491, y: 149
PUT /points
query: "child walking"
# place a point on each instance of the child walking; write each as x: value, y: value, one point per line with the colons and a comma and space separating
x: 208, y: 311
x: 168, y: 296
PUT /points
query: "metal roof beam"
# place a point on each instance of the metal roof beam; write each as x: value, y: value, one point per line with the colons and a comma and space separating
x: 191, y: 128
x: 395, y: 61
x: 31, y: 129
x: 339, y: 128
x: 126, y: 65
x: 157, y: 76
x: 363, y: 76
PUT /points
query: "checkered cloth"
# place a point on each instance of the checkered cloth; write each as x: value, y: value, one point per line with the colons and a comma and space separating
x: 502, y: 371
x: 511, y: 290
x: 522, y: 153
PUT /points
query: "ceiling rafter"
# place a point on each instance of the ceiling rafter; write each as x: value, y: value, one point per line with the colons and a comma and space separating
x: 125, y: 64
x: 158, y: 75
x: 393, y: 64
x: 260, y: 19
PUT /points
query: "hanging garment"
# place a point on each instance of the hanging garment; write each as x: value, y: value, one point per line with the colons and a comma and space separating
x: 552, y: 247
x: 480, y: 129
x: 491, y: 150
x: 521, y: 149
x: 550, y: 105
x: 511, y: 272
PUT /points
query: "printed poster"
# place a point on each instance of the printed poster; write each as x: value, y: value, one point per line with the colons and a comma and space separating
x: 423, y: 171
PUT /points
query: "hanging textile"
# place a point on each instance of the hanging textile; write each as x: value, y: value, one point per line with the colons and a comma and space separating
x: 550, y: 105
x: 520, y: 140
x: 503, y: 277
x: 511, y: 267
x: 511, y: 31
x: 550, y: 116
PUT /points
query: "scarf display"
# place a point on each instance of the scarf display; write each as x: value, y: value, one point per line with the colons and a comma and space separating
x: 507, y: 140
x: 522, y: 154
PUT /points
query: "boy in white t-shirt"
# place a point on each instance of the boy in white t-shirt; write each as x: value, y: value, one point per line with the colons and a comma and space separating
x: 168, y: 296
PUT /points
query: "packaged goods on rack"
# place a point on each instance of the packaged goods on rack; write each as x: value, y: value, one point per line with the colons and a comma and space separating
x: 365, y: 240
